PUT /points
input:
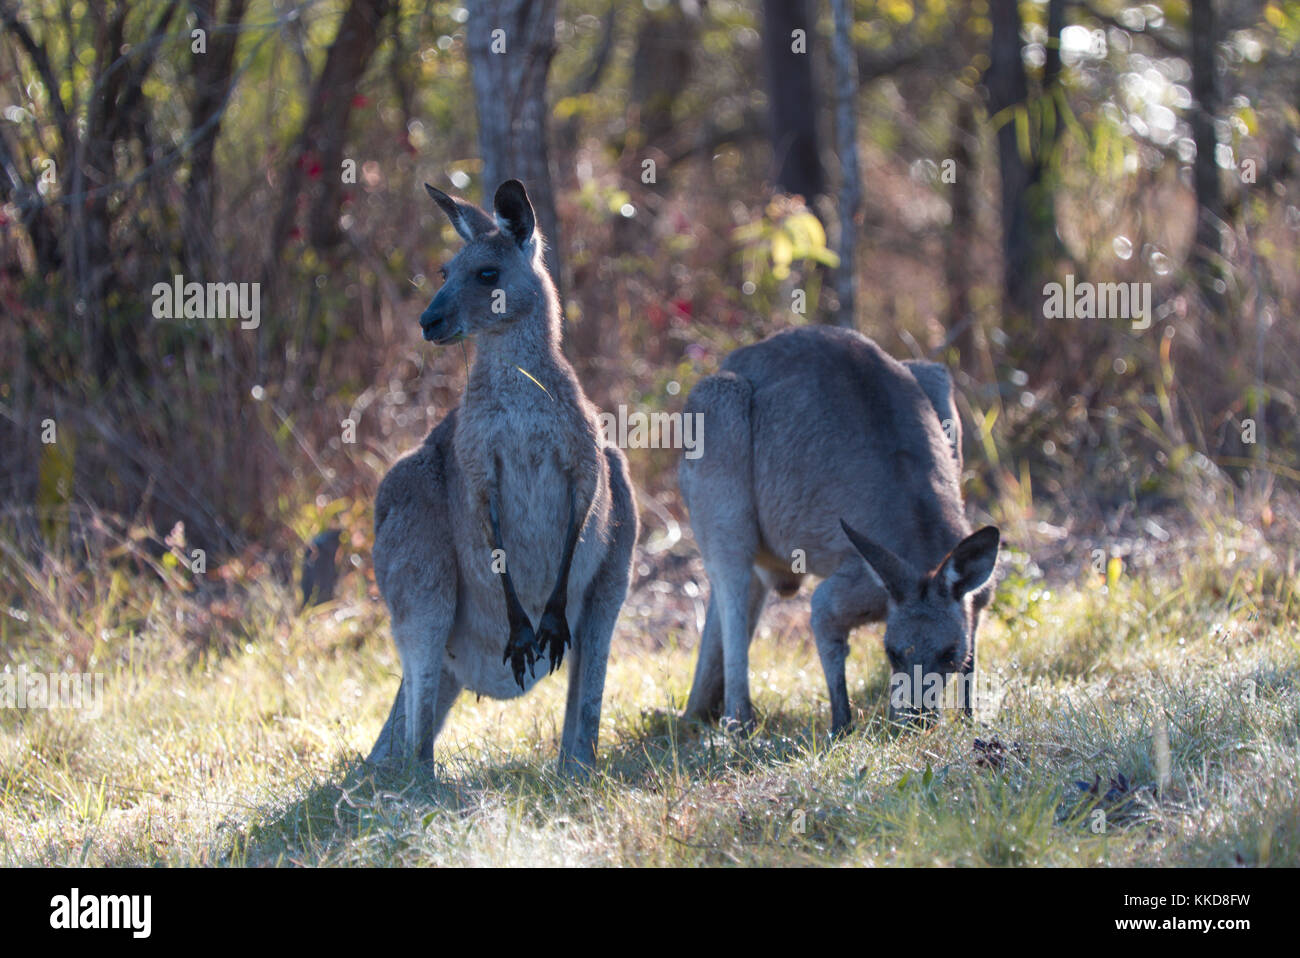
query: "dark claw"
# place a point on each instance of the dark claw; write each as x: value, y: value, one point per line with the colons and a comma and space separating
x: 521, y: 651
x: 553, y: 634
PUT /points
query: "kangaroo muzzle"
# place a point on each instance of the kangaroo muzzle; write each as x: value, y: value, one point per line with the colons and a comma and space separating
x: 438, y: 321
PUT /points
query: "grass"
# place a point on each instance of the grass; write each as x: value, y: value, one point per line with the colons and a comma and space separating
x: 1184, y: 681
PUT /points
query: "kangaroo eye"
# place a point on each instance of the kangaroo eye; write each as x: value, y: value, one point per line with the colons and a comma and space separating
x: 488, y: 275
x: 442, y: 271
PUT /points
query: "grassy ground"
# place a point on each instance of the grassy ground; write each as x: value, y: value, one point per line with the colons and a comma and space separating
x: 1185, y: 681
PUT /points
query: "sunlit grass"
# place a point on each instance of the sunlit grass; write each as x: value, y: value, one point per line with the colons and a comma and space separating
x: 1185, y: 683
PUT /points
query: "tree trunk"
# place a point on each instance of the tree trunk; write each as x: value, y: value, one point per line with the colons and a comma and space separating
x: 1208, y: 257
x: 960, y: 233
x: 792, y: 98
x: 35, y: 217
x: 39, y: 219
x: 213, y: 76
x: 846, y: 136
x: 317, y: 153
x: 1046, y: 245
x: 661, y: 70
x: 1008, y: 92
x: 510, y: 45
x: 116, y: 111
x: 1052, y: 64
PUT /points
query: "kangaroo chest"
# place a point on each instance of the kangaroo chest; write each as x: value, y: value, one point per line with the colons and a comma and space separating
x: 521, y: 454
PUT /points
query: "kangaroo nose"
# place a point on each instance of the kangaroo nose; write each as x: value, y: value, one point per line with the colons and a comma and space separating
x: 432, y: 321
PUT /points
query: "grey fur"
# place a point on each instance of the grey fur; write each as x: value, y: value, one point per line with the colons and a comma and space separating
x: 811, y: 428
x: 521, y: 451
x: 937, y: 384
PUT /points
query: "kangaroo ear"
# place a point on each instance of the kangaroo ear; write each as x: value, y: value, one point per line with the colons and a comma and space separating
x: 466, y: 218
x: 514, y: 211
x: 895, y: 574
x: 970, y: 564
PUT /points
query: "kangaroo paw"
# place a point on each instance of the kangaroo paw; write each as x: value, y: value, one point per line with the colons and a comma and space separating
x: 522, y: 650
x: 553, y: 634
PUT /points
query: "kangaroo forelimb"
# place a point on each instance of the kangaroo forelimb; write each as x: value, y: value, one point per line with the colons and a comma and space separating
x: 522, y: 650
x: 553, y: 629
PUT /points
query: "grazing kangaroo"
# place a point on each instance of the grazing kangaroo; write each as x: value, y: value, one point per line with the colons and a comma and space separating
x: 510, y: 513
x: 825, y: 448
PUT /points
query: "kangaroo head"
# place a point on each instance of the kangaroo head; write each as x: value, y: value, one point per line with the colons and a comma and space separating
x: 931, y: 616
x: 498, y: 277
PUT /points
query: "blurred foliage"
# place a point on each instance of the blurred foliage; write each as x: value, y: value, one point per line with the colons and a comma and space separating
x: 238, y: 434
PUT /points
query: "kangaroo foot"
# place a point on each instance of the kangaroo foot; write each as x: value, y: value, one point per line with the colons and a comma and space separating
x: 739, y: 722
x: 553, y: 633
x: 522, y: 650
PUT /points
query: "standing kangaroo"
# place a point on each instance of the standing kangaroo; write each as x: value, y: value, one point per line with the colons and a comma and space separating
x: 510, y: 513
x: 816, y: 433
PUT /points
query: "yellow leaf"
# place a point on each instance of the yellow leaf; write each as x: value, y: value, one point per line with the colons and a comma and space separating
x: 782, y: 250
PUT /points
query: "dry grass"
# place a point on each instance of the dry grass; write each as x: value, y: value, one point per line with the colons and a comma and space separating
x: 248, y: 753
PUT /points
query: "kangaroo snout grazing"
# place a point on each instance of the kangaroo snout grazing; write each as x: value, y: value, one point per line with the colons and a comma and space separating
x: 931, y: 616
x: 507, y: 537
x: 825, y: 450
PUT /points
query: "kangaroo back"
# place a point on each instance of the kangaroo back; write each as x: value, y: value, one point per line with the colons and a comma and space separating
x: 841, y: 429
x: 937, y: 383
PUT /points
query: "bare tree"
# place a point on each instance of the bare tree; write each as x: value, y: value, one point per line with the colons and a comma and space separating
x: 661, y: 68
x: 958, y: 244
x: 792, y: 97
x: 213, y: 79
x: 510, y: 45
x: 1207, y: 257
x: 1026, y: 134
x: 846, y: 137
x: 318, y: 148
x: 1049, y: 119
x: 1008, y: 93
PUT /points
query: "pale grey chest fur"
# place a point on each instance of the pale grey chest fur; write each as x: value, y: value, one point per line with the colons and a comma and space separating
x: 532, y: 480
x: 517, y: 434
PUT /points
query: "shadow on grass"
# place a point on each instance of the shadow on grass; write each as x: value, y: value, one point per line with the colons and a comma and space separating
x: 375, y: 812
